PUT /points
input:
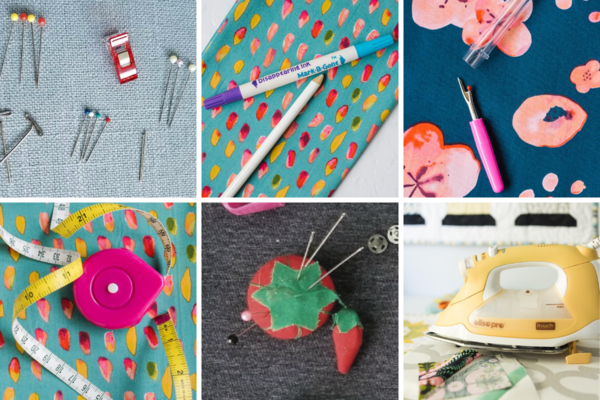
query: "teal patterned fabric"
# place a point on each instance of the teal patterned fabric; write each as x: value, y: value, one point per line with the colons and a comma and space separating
x: 259, y: 37
x: 18, y: 379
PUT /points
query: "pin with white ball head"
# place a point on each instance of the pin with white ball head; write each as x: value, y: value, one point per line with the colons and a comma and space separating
x: 172, y: 60
x: 179, y: 63
x: 14, y: 18
x: 106, y: 121
x: 23, y: 18
x: 87, y: 112
x: 31, y: 20
x: 89, y: 139
x: 42, y: 22
x: 192, y: 69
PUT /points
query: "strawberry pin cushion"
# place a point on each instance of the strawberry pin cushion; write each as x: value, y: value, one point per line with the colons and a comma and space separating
x: 282, y: 305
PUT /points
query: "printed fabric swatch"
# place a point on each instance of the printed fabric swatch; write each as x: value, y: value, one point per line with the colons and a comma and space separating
x: 434, y: 374
x: 321, y: 146
x: 480, y: 377
x: 128, y: 363
x: 539, y: 105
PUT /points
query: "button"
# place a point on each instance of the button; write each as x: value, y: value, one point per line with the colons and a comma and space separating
x: 377, y: 244
x: 393, y: 234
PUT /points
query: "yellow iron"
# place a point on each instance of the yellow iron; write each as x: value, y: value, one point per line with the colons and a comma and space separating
x: 483, y: 315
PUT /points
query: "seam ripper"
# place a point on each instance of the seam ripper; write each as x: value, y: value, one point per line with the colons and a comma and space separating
x: 482, y: 140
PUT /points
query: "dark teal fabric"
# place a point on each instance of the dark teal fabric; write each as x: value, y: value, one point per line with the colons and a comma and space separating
x: 561, y: 41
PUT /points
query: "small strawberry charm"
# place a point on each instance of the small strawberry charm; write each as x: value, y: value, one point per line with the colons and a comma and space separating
x: 347, y: 337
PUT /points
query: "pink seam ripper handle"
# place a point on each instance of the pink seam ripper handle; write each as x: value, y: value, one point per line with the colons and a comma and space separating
x: 484, y: 147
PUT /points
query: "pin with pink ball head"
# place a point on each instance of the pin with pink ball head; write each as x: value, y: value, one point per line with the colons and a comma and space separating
x: 14, y: 18
x: 192, y: 69
x: 42, y: 22
x: 106, y: 121
x: 179, y: 63
x: 31, y: 20
x: 172, y: 60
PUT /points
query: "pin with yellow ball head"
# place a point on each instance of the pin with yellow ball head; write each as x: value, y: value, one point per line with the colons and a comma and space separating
x: 23, y: 18
x: 14, y: 17
x: 31, y: 20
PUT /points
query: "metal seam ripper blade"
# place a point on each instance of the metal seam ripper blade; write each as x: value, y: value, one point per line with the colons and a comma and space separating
x: 484, y: 315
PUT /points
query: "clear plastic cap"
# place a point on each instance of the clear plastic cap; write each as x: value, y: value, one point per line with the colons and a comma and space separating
x: 512, y: 13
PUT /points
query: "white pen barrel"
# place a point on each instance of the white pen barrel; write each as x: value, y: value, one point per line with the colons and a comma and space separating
x: 270, y: 141
x: 297, y: 72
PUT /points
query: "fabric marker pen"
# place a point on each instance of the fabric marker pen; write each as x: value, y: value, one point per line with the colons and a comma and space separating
x: 297, y: 72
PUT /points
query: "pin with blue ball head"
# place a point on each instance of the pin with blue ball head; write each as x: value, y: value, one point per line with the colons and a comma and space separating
x: 87, y: 112
x: 172, y: 60
x: 89, y: 139
x: 14, y: 18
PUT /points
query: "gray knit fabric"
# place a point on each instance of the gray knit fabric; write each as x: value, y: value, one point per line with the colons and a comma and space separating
x: 261, y: 367
x: 77, y: 71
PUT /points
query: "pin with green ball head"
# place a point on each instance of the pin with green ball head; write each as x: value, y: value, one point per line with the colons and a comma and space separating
x: 89, y: 139
x: 87, y: 112
x: 14, y: 18
x: 172, y: 60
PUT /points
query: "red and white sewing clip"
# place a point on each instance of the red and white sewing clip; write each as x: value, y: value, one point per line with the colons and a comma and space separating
x: 120, y: 50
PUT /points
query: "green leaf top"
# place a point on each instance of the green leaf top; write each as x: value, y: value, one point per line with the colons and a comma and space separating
x: 346, y: 319
x: 290, y: 301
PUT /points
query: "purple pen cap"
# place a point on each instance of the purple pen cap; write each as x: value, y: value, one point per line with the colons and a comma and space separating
x: 227, y: 97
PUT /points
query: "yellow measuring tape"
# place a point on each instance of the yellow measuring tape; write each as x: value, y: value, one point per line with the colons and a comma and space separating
x: 66, y: 225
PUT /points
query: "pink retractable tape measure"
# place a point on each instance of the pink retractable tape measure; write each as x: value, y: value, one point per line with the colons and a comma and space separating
x: 117, y: 289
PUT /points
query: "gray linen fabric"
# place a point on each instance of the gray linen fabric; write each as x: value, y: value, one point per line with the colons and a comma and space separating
x: 78, y: 72
x: 261, y: 367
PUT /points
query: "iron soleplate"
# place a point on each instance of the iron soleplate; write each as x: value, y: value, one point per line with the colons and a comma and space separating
x: 493, y: 347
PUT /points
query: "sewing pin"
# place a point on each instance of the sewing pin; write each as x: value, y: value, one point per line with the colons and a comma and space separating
x: 192, y: 69
x: 324, y: 240
x: 234, y: 339
x: 14, y: 17
x: 23, y: 18
x: 42, y: 22
x: 5, y: 114
x: 179, y: 63
x: 334, y: 268
x: 173, y: 60
x: 142, y: 158
x: 87, y: 112
x: 31, y: 20
x: 312, y: 235
x: 89, y: 138
x: 106, y: 121
x: 33, y: 126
